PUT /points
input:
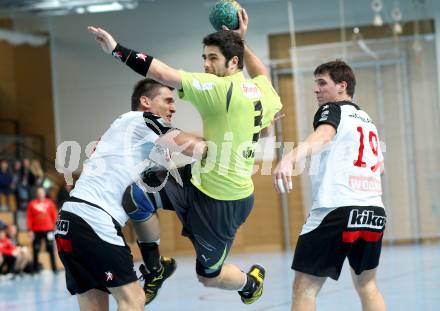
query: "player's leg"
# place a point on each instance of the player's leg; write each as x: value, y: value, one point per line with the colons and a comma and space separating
x: 211, y: 225
x: 141, y: 208
x: 320, y: 253
x: 231, y: 277
x: 96, y: 257
x: 129, y: 296
x: 370, y: 295
x: 305, y: 290
x: 364, y: 258
x: 142, y: 212
x: 93, y: 300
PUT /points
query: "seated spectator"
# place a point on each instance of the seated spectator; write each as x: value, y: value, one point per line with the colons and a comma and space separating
x: 5, y: 185
x: 23, y: 262
x: 8, y: 252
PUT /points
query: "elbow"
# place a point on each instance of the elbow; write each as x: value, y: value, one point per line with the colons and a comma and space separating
x: 326, y: 141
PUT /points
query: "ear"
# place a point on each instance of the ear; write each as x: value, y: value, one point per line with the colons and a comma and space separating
x: 342, y: 87
x: 233, y: 62
x: 145, y: 103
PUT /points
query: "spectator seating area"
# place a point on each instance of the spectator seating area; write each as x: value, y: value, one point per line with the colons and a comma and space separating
x: 18, y: 181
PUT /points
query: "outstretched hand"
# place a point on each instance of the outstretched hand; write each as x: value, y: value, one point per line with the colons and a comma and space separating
x: 105, y: 40
x: 243, y: 21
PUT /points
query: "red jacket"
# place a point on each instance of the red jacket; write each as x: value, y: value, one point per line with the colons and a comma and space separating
x: 7, y: 248
x: 41, y: 215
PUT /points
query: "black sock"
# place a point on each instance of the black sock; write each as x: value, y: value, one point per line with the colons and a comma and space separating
x: 150, y: 255
x: 250, y: 285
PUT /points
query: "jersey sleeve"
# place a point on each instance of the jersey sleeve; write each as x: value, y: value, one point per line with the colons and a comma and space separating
x: 155, y: 124
x: 271, y: 101
x: 328, y: 114
x: 207, y: 92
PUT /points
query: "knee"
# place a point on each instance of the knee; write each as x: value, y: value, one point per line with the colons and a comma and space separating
x: 366, y: 288
x: 209, y: 282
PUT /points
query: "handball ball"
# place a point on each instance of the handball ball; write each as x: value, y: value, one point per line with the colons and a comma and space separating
x: 225, y: 12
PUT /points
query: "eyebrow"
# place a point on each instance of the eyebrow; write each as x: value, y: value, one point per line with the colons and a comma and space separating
x: 209, y: 55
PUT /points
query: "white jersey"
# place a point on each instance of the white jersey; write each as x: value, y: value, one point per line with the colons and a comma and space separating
x: 349, y: 172
x: 120, y: 156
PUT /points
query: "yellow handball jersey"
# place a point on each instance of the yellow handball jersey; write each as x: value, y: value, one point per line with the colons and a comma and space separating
x: 233, y: 111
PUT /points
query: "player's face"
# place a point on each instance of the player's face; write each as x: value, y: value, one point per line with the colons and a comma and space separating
x: 327, y: 90
x: 214, y: 62
x: 163, y: 104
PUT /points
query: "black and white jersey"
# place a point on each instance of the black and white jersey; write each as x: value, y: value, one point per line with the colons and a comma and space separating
x: 348, y: 171
x: 121, y: 154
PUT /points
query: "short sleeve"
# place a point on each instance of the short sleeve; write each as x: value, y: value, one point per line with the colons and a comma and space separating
x: 329, y: 113
x: 270, y: 99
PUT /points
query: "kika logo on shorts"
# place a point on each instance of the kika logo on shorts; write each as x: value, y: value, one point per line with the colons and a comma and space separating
x: 62, y: 227
x: 366, y: 219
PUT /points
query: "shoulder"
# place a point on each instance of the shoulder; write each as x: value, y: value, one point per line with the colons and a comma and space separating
x: 155, y: 123
x: 261, y: 79
x: 200, y: 77
x: 329, y: 113
x: 130, y: 115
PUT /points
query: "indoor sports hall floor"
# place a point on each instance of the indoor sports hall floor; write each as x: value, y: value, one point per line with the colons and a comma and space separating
x: 409, y: 277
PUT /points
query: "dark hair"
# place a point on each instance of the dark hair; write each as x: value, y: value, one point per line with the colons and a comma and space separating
x: 145, y: 87
x: 229, y: 43
x: 338, y: 71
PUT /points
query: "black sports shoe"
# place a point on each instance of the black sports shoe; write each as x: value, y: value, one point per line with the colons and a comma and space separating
x: 154, y: 280
x: 258, y: 273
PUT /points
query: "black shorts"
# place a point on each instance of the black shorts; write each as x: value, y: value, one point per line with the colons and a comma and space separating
x: 210, y: 224
x: 90, y: 262
x: 349, y: 231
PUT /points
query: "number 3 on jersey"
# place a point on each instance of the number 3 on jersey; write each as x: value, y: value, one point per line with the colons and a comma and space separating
x: 250, y: 151
x: 374, y: 145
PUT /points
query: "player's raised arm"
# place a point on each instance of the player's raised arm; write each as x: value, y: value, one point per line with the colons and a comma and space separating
x: 140, y: 62
x: 254, y: 65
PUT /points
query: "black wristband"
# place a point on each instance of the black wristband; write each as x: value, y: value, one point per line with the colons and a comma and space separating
x: 138, y: 61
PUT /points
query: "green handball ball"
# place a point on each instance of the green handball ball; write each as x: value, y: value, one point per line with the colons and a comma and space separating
x: 225, y: 12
